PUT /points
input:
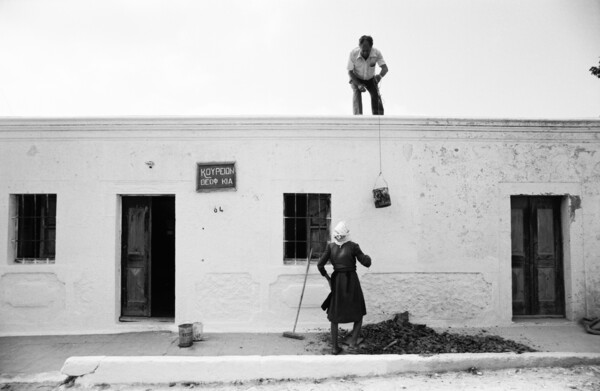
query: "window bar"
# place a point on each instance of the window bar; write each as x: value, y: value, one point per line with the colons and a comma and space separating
x: 40, y: 220
x: 43, y: 212
x: 16, y: 227
x: 45, y: 221
x: 296, y: 226
x: 21, y: 211
x: 318, y: 217
x: 36, y: 227
x: 306, y: 228
x: 40, y: 227
x: 307, y: 222
x: 308, y: 225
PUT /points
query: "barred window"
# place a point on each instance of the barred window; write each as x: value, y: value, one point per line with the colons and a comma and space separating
x: 306, y: 219
x: 34, y: 220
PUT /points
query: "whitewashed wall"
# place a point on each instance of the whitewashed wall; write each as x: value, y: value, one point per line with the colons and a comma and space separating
x: 441, y: 251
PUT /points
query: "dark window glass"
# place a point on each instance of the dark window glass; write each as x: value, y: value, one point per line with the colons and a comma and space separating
x: 289, y: 250
x: 289, y: 205
x: 301, y: 205
x: 301, y: 227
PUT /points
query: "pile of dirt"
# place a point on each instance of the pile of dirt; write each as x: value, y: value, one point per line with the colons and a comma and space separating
x: 399, y: 336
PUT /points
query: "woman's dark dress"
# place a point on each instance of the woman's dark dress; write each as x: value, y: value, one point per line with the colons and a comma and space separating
x: 346, y: 302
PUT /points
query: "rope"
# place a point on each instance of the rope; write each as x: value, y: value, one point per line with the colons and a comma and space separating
x: 380, y: 165
x: 379, y: 123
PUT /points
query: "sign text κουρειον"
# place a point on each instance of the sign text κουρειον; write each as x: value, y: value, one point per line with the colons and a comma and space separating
x: 215, y: 176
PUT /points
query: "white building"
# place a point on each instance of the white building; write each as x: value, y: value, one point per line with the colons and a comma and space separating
x: 103, y: 227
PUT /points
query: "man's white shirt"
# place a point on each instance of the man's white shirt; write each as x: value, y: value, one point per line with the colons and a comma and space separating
x: 364, y: 69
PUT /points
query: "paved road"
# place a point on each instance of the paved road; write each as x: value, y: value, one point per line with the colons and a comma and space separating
x: 576, y: 378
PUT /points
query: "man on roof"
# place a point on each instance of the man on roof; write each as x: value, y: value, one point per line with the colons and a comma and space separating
x: 361, y: 69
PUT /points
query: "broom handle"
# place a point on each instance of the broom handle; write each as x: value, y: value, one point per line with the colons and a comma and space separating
x: 303, y: 286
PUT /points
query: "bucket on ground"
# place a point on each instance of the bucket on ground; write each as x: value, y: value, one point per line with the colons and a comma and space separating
x: 381, y: 194
x: 186, y: 335
x: 198, y: 328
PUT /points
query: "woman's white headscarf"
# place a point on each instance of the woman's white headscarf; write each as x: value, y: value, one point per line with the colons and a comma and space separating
x: 341, y: 230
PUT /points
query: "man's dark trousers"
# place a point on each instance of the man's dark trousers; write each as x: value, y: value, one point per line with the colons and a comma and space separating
x: 376, y: 104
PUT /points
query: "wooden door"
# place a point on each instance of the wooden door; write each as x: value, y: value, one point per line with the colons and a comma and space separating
x: 136, y: 256
x: 537, y: 264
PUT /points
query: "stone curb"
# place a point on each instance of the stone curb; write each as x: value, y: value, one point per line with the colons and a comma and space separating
x: 38, y: 378
x: 167, y: 369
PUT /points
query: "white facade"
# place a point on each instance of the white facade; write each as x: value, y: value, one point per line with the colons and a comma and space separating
x: 441, y: 251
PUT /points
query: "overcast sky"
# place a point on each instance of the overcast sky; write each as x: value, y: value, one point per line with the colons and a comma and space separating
x: 456, y: 58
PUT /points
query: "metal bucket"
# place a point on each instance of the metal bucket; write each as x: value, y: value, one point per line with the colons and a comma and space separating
x: 198, y: 328
x: 186, y: 335
x: 381, y: 194
x: 382, y: 197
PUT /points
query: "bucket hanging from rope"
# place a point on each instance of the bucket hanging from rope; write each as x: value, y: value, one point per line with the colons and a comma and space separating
x: 381, y: 193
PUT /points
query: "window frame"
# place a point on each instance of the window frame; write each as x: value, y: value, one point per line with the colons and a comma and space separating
x: 43, y: 232
x: 319, y: 224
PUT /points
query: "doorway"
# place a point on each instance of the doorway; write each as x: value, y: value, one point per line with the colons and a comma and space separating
x: 537, y: 258
x: 148, y: 257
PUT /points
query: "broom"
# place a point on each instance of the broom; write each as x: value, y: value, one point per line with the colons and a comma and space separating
x: 292, y: 334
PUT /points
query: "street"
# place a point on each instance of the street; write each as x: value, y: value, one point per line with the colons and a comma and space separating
x: 575, y: 378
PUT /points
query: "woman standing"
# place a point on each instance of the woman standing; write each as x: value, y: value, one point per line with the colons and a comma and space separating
x: 345, y: 303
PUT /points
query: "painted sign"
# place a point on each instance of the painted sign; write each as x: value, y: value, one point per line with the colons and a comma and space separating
x: 216, y: 176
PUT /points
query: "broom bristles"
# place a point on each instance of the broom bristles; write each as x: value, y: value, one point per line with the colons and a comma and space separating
x: 289, y: 334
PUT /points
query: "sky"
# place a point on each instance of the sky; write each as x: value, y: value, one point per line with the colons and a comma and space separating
x: 446, y: 58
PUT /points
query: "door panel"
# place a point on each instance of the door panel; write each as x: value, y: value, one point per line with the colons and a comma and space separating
x: 547, y: 256
x: 518, y: 286
x: 546, y: 284
x: 135, y: 256
x: 136, y: 285
x: 537, y: 256
x: 545, y: 234
x: 517, y: 227
x: 520, y: 256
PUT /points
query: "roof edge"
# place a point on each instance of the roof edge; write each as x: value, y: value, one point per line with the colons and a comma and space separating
x: 183, y: 121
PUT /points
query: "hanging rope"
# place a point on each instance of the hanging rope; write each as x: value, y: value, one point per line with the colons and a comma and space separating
x: 379, y: 123
x: 380, y: 176
x: 380, y: 165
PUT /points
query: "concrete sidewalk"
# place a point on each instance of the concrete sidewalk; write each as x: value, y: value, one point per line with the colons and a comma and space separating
x: 29, y: 356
